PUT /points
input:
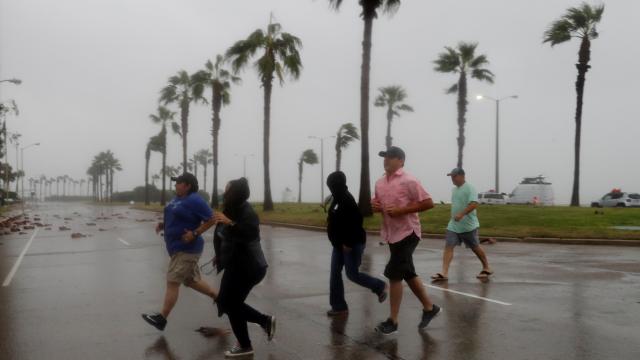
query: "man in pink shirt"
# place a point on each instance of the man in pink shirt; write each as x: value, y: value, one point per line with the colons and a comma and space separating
x: 400, y: 197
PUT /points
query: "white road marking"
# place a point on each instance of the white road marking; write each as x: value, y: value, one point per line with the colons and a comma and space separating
x: 464, y: 294
x: 467, y: 294
x: 123, y: 241
x: 14, y: 269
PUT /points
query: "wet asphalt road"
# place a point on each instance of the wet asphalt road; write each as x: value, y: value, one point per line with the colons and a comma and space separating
x: 82, y: 298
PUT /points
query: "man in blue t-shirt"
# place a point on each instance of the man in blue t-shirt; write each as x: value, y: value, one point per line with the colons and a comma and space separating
x: 463, y: 225
x: 183, y: 216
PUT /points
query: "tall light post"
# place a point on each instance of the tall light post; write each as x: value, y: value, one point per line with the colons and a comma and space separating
x: 497, y: 101
x: 321, y: 163
x: 244, y: 163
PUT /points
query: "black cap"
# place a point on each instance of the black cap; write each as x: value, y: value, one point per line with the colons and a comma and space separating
x: 189, y: 179
x: 456, y: 171
x: 393, y: 152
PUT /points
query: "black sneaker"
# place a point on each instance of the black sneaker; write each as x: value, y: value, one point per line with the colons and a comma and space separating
x: 156, y: 320
x: 334, y: 313
x: 238, y: 351
x: 271, y: 328
x: 427, y: 316
x: 387, y: 327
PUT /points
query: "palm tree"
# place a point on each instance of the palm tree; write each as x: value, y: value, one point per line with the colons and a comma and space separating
x: 183, y: 89
x: 154, y: 141
x: 43, y: 180
x: 462, y: 61
x: 308, y: 157
x: 81, y: 182
x: 578, y: 22
x: 154, y: 178
x: 219, y: 80
x: 347, y: 133
x: 64, y: 185
x: 392, y: 98
x: 370, y: 10
x: 204, y: 158
x: 164, y: 117
x: 280, y: 56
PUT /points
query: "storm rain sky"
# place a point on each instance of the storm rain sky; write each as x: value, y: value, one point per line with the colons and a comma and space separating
x: 92, y: 71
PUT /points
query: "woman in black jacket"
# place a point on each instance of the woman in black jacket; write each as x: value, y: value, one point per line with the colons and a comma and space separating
x: 238, y: 252
x: 348, y: 238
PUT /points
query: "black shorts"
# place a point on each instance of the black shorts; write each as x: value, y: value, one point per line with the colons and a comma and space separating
x: 400, y: 266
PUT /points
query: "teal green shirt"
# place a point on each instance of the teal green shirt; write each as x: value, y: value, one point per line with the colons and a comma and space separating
x: 461, y: 197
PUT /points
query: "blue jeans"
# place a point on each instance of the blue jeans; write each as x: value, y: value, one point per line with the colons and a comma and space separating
x: 351, y: 262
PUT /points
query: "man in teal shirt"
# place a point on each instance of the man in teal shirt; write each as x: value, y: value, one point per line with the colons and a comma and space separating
x: 463, y: 225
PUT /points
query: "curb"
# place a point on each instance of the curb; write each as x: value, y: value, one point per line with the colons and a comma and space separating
x: 527, y: 240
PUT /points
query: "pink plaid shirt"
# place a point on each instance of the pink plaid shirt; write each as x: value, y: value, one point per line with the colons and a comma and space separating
x: 399, y: 190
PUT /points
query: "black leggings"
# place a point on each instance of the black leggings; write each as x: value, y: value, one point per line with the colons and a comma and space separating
x: 234, y: 289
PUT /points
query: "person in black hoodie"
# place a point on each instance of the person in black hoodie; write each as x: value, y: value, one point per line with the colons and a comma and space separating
x: 239, y: 254
x: 348, y: 238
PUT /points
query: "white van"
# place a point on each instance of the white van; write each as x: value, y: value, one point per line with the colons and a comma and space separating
x: 493, y: 198
x: 533, y: 190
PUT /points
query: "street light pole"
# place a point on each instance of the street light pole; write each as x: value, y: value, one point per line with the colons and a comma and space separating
x: 497, y: 101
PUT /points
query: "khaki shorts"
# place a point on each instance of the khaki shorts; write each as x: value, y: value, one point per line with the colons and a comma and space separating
x: 183, y: 268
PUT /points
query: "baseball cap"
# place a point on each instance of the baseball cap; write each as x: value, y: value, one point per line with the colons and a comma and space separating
x: 456, y: 171
x: 393, y: 152
x: 189, y: 179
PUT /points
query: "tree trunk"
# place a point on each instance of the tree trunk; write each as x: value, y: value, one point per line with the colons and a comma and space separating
x: 184, y: 123
x: 338, y: 152
x: 389, y: 139
x: 462, y: 110
x: 364, y: 199
x: 268, y: 86
x: 146, y: 176
x: 216, y: 104
x: 300, y: 182
x: 164, y: 165
x: 582, y: 66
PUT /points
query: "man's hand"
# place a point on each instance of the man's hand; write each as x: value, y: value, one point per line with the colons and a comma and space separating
x: 376, y: 205
x: 222, y: 218
x: 345, y: 248
x: 459, y: 216
x: 395, y: 211
x: 159, y: 227
x: 188, y: 236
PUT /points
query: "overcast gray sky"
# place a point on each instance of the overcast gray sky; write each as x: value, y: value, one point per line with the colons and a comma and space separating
x: 92, y: 70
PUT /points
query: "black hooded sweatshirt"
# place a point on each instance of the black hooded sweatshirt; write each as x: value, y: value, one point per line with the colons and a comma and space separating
x: 344, y: 222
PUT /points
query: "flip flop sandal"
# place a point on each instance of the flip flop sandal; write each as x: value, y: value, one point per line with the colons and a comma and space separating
x: 484, y: 274
x: 438, y: 277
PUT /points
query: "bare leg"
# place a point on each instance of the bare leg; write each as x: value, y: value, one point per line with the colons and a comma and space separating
x: 419, y: 291
x: 202, y: 287
x: 170, y: 298
x: 482, y: 256
x: 447, y: 257
x: 395, y: 299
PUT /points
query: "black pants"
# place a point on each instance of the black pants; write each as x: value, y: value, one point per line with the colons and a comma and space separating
x: 234, y: 289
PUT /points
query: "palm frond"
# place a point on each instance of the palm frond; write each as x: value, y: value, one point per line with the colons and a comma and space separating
x: 482, y: 75
x: 452, y: 90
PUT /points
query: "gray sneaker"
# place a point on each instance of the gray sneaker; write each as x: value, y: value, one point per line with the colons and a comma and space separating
x: 427, y: 316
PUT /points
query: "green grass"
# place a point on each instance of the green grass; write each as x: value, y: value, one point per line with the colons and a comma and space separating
x: 504, y: 221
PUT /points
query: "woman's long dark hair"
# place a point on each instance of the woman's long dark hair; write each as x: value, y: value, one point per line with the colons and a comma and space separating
x: 235, y: 196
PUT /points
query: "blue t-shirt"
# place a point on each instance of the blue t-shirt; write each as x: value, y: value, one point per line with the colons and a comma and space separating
x: 187, y: 212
